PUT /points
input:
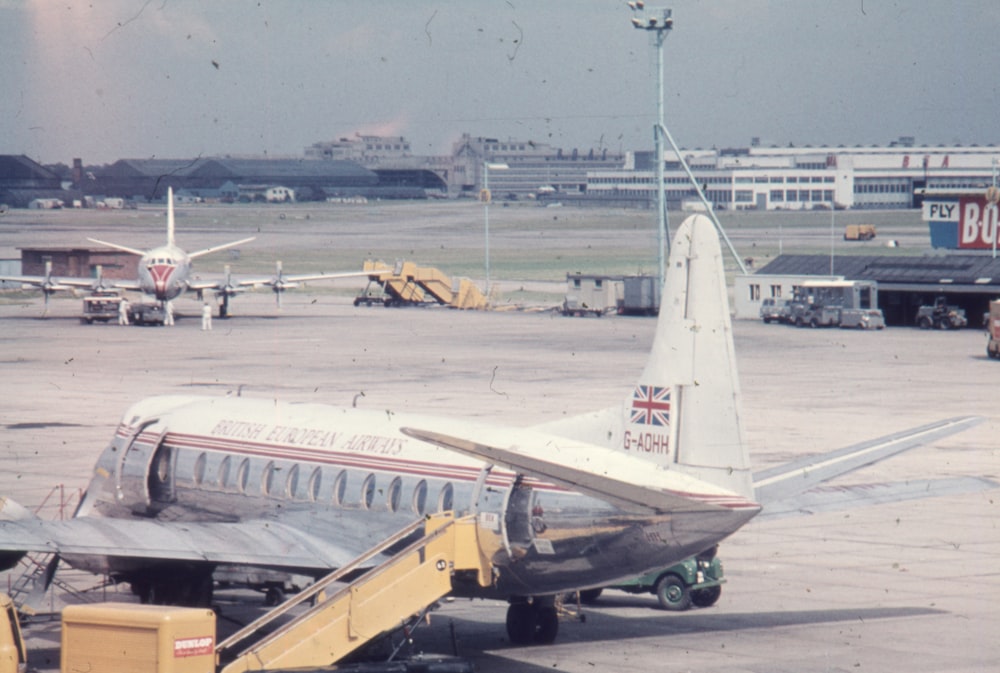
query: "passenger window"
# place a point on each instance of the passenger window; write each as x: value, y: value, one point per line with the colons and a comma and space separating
x: 420, y: 497
x: 199, y: 468
x: 223, y: 479
x: 368, y: 491
x: 446, y: 498
x: 267, y: 479
x: 340, y: 487
x: 292, y: 482
x: 395, y: 490
x: 243, y: 475
x: 315, y: 481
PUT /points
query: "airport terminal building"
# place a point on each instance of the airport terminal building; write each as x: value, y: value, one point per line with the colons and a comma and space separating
x: 802, y: 178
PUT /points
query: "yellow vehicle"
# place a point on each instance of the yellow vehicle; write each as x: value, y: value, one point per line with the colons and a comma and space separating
x: 859, y: 232
x: 13, y: 656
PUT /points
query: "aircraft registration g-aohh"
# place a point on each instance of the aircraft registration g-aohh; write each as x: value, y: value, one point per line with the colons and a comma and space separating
x: 164, y: 273
x: 190, y: 483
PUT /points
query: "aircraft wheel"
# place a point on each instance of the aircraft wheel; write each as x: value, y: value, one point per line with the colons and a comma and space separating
x: 589, y: 596
x: 274, y: 596
x: 532, y: 623
x: 706, y: 597
x: 547, y: 625
x: 521, y: 623
x: 672, y: 593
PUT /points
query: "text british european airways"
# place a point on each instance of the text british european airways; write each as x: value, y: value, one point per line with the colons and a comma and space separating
x: 311, y: 437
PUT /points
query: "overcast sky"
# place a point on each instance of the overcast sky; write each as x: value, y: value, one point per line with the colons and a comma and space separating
x: 181, y: 78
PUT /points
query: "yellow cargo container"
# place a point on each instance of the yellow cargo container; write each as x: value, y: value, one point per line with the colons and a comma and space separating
x: 118, y: 637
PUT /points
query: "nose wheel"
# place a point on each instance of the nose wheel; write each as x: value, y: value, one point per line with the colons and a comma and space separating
x: 532, y: 621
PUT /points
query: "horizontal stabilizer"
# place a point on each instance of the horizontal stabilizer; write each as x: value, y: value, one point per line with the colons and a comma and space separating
x: 123, y: 248
x: 836, y: 498
x: 791, y: 479
x: 217, y: 248
x: 623, y: 480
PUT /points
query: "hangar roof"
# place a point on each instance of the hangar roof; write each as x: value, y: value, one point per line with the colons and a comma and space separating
x: 895, y: 272
x: 236, y: 168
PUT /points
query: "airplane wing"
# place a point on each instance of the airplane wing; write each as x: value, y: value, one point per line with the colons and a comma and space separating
x: 126, y: 285
x: 298, y: 278
x: 585, y: 468
x: 51, y: 284
x: 784, y: 483
x: 268, y: 544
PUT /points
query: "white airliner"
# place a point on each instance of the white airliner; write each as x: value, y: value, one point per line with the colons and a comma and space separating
x: 191, y: 483
x: 164, y: 272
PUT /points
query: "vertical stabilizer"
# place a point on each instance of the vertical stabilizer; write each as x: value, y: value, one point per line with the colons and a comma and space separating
x: 170, y: 216
x: 685, y: 410
x: 683, y: 413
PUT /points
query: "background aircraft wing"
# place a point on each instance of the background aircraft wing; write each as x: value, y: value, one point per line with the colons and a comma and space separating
x: 258, y: 543
x: 785, y: 483
x: 51, y: 284
x: 125, y: 285
x: 296, y: 278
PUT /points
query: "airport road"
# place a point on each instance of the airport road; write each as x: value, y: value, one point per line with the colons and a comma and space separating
x: 907, y: 586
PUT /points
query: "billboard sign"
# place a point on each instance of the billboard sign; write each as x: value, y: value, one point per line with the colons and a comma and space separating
x: 967, y: 222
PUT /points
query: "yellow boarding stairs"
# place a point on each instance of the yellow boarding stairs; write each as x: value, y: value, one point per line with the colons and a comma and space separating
x: 407, y: 283
x: 380, y: 600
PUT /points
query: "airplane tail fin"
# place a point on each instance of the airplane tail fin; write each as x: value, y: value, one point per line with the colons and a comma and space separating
x: 684, y: 412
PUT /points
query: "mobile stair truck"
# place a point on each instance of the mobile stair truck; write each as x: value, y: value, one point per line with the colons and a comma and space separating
x: 315, y: 628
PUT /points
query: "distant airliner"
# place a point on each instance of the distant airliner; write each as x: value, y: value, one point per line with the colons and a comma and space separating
x: 190, y: 483
x: 164, y: 272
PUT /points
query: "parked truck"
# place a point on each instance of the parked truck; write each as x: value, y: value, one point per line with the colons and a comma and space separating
x: 941, y: 315
x: 859, y: 232
x: 694, y: 581
x: 993, y: 330
x: 100, y: 307
x: 836, y: 303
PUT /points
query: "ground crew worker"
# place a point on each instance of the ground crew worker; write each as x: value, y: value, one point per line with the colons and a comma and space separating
x: 206, y: 317
x: 123, y: 312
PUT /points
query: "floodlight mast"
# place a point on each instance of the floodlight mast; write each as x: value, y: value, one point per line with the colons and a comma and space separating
x: 659, y: 23
x: 659, y: 26
x: 486, y: 196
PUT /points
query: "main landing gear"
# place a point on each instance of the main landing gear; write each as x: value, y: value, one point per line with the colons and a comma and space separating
x: 190, y: 587
x: 532, y: 621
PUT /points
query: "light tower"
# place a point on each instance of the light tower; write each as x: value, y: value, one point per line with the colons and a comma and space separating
x: 659, y: 23
x: 486, y: 197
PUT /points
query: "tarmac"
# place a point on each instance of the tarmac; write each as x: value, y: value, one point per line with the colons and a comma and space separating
x: 910, y: 586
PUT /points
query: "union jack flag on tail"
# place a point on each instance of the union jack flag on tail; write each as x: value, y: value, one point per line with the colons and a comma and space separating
x: 651, y: 405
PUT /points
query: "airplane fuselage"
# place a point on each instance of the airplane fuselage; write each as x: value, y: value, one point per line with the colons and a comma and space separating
x: 163, y: 272
x: 351, y: 476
